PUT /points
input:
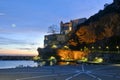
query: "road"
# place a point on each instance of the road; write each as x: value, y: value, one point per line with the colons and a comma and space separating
x: 69, y: 72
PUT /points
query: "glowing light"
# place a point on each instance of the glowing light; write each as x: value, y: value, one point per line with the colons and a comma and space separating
x: 117, y: 47
x: 36, y: 58
x: 99, y: 47
x: 93, y: 47
x: 52, y: 60
x: 66, y: 47
x: 52, y: 57
x: 84, y: 59
x: 71, y: 55
x: 54, y: 46
x: 98, y: 60
x: 81, y: 49
x: 107, y: 47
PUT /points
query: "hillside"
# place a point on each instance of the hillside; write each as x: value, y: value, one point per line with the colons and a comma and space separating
x: 101, y: 29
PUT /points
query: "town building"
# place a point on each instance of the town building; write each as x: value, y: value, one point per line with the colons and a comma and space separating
x: 65, y: 28
x: 54, y: 40
x: 57, y: 40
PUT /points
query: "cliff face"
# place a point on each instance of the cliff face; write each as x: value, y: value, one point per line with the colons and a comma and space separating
x: 102, y: 27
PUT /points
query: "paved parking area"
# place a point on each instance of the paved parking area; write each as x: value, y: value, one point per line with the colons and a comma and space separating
x: 71, y: 72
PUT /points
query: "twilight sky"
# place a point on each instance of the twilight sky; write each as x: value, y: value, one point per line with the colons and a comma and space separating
x: 23, y: 23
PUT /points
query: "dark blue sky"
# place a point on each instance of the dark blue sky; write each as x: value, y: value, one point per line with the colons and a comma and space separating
x: 23, y: 23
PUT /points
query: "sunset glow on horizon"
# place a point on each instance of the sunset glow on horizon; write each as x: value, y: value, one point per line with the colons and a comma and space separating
x: 13, y: 52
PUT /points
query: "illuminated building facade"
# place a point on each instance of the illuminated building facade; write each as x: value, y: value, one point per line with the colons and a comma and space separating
x: 54, y: 40
x: 65, y: 28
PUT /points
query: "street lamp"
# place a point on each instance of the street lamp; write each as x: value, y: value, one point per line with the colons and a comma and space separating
x: 117, y: 48
x: 81, y: 49
x: 99, y: 47
x: 93, y: 47
x: 107, y: 47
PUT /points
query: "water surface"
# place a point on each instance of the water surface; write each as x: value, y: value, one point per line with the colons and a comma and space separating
x: 16, y: 63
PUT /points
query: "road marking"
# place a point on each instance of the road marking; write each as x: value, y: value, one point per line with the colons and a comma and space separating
x: 94, y: 76
x: 72, y: 73
x: 91, y: 75
x: 80, y: 72
x: 72, y: 76
x: 83, y: 68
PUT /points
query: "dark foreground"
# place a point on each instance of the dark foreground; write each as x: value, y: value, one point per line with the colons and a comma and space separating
x: 71, y: 72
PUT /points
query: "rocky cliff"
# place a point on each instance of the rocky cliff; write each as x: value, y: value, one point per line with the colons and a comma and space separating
x: 101, y: 29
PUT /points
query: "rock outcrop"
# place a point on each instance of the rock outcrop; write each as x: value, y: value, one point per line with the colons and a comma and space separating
x: 101, y: 29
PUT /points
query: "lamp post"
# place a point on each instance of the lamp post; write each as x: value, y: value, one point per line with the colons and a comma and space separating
x: 93, y: 47
x: 117, y: 48
x: 81, y: 49
x: 107, y: 47
x: 99, y: 47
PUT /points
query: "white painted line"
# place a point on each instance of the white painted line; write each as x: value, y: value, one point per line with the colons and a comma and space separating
x: 83, y: 68
x: 72, y: 76
x: 76, y: 75
x: 69, y: 78
x: 99, y: 78
x: 94, y: 76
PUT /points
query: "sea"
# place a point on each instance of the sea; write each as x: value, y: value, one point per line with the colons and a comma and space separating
x: 17, y: 63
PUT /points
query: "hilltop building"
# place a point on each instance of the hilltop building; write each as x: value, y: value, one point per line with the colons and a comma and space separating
x: 71, y: 26
x: 57, y: 40
x: 54, y: 40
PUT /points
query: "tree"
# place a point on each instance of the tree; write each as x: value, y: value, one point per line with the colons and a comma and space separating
x: 52, y: 29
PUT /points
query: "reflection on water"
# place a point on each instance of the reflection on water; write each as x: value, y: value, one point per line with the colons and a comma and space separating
x: 16, y: 63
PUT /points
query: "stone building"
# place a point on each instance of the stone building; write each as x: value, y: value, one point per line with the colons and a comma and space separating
x: 65, y: 28
x: 57, y: 40
x: 54, y: 40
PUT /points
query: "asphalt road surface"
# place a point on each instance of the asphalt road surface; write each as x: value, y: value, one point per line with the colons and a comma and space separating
x: 69, y: 72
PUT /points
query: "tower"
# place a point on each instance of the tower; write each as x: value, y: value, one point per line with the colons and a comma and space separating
x: 61, y: 27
